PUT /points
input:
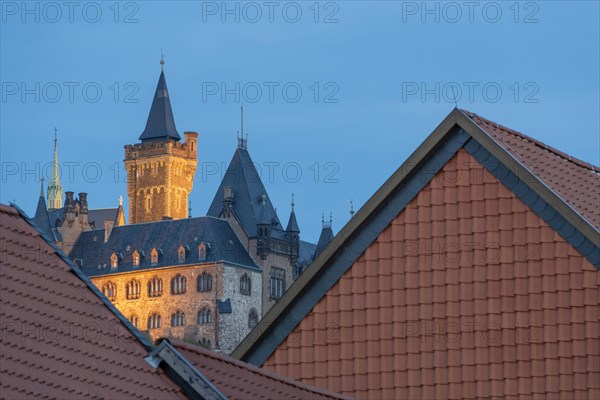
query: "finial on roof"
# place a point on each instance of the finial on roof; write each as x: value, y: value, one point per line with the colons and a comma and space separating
x: 42, y: 187
x: 293, y: 202
x: 330, y: 218
x: 55, y: 136
x: 121, y: 200
x: 189, y: 208
x: 352, y: 212
x: 162, y: 60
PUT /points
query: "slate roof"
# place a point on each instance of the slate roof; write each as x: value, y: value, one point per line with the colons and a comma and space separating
x: 238, y: 380
x: 307, y: 252
x: 324, y: 239
x: 61, y: 337
x: 292, y: 225
x: 459, y: 130
x: 90, y: 251
x: 160, y: 124
x: 574, y: 181
x: 247, y: 187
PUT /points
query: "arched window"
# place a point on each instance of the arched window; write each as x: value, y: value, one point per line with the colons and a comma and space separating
x: 252, y: 318
x: 204, y: 316
x: 201, y: 252
x: 153, y: 257
x: 245, y: 285
x: 136, y: 258
x: 134, y: 320
x: 132, y: 290
x: 204, y: 282
x: 181, y: 254
x: 114, y: 260
x: 110, y: 290
x: 155, y: 287
x: 178, y: 284
x: 277, y: 282
x: 148, y: 203
x: 154, y: 321
x: 178, y: 319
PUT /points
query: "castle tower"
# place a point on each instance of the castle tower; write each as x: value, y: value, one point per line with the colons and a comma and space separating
x: 160, y: 169
x: 55, y: 192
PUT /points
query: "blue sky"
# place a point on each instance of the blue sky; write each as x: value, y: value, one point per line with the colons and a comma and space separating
x: 376, y: 78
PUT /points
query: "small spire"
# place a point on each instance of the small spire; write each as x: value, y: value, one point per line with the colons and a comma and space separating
x: 352, y: 212
x: 293, y: 204
x: 162, y: 60
x: 330, y: 218
x: 189, y: 208
x: 242, y: 141
x: 42, y: 187
x: 121, y: 201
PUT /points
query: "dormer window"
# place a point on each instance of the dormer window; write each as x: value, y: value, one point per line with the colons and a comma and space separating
x: 201, y: 252
x: 136, y: 258
x: 153, y: 257
x: 114, y: 260
x: 181, y: 254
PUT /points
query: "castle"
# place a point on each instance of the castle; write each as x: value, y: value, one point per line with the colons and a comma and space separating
x: 206, y: 280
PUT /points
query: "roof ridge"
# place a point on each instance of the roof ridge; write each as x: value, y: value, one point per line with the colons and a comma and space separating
x: 241, y: 364
x: 561, y: 154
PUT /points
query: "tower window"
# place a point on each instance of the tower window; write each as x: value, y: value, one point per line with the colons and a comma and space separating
x: 277, y: 283
x: 204, y: 282
x: 178, y: 284
x: 154, y: 321
x: 132, y: 290
x: 252, y: 318
x: 204, y: 316
x: 155, y: 287
x: 178, y: 319
x: 148, y: 203
x: 110, y: 290
x: 245, y: 285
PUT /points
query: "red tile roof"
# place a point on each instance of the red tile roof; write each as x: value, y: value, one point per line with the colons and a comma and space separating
x: 574, y: 181
x: 452, y: 308
x: 59, y: 338
x: 238, y: 380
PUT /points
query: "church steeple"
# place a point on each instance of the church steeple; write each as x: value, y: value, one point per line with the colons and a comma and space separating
x: 55, y: 192
x: 160, y: 124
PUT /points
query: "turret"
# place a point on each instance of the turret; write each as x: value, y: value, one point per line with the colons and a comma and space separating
x: 326, y: 235
x: 264, y: 229
x: 293, y: 233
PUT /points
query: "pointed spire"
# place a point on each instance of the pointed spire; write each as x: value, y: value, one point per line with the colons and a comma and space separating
x: 160, y: 124
x: 41, y: 217
x: 189, y: 208
x: 292, y: 225
x: 326, y: 234
x: 42, y: 187
x: 242, y: 141
x: 54, y: 187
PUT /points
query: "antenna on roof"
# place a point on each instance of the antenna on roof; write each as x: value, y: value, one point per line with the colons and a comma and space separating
x: 162, y: 60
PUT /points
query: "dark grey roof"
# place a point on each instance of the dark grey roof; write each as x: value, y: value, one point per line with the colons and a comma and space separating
x: 161, y: 124
x: 42, y: 219
x: 307, y: 252
x: 292, y: 225
x: 247, y: 187
x: 324, y: 239
x: 166, y: 236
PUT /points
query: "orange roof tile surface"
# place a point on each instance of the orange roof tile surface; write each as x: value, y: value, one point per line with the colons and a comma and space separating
x: 467, y: 293
x: 238, y: 380
x: 59, y: 339
x: 575, y: 181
